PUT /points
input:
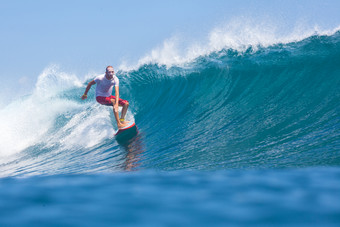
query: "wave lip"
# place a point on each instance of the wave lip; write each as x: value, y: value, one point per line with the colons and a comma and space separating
x: 239, y: 34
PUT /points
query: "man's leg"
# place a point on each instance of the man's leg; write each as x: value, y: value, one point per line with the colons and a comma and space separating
x: 124, y: 110
x: 116, y: 114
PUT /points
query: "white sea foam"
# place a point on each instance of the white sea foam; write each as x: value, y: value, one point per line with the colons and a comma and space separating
x: 52, y: 81
x: 238, y: 34
x: 25, y: 122
x: 33, y: 119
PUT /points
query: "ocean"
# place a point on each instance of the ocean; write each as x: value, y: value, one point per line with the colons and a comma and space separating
x: 229, y: 138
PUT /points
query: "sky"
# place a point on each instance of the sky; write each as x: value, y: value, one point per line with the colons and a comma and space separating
x: 82, y: 36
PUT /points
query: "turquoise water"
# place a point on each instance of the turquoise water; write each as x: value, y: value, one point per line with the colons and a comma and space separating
x: 233, y: 137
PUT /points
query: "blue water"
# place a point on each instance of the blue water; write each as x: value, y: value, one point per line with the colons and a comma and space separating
x: 262, y: 197
x: 234, y: 137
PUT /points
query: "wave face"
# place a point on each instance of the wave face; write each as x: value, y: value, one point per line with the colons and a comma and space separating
x: 265, y: 107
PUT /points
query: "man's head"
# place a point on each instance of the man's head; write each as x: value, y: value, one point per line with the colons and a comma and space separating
x: 109, y: 72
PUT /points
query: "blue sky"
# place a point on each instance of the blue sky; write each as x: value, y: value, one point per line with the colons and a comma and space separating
x: 84, y: 36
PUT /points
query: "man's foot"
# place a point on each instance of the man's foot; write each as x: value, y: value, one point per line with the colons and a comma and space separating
x: 124, y: 124
x: 122, y: 120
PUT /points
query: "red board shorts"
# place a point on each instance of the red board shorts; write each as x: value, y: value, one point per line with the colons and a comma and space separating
x: 107, y: 100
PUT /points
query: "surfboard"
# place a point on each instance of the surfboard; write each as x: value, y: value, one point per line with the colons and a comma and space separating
x: 127, y: 132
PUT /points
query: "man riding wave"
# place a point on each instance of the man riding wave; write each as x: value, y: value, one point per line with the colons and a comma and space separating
x: 105, y: 84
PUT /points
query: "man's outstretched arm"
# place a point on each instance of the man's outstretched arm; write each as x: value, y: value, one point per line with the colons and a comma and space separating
x: 87, y: 89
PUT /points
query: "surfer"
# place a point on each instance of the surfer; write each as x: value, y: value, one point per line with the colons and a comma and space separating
x: 105, y: 84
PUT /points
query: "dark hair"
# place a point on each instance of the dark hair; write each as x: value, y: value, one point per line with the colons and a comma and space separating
x: 108, y: 67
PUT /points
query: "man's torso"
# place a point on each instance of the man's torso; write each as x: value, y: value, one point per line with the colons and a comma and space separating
x: 105, y: 86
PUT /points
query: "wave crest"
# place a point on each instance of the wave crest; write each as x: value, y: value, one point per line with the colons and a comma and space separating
x: 239, y: 34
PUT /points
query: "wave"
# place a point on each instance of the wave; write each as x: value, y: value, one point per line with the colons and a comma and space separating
x: 273, y: 106
x: 238, y: 34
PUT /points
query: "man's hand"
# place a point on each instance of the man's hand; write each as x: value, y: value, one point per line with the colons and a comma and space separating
x: 87, y: 89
